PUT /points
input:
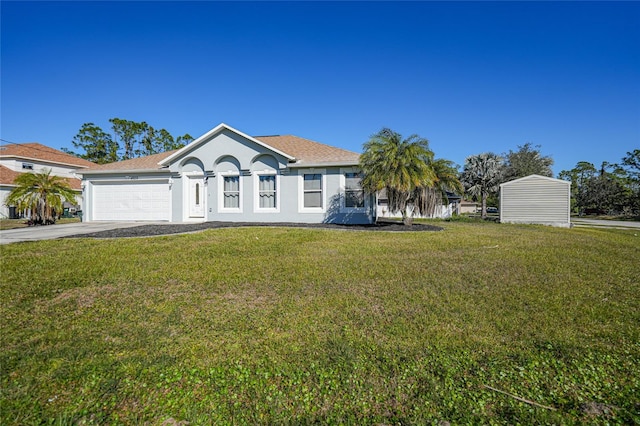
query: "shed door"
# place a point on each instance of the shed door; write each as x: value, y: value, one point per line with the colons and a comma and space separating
x: 131, y: 200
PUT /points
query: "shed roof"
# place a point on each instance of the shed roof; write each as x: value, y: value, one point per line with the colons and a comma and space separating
x: 534, y: 177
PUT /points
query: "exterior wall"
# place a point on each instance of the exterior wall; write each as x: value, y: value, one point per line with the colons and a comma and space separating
x: 536, y: 200
x: 4, y: 192
x: 38, y: 166
x: 229, y: 154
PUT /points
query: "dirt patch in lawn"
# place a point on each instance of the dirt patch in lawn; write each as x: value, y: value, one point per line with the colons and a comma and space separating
x: 182, y: 228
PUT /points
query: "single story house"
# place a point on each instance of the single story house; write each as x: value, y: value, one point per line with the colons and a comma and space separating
x: 227, y: 175
x: 18, y: 158
x: 536, y: 199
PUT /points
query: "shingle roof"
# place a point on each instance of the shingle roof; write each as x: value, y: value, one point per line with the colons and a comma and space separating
x: 150, y: 162
x: 37, y: 151
x: 309, y: 152
x: 305, y: 151
x: 8, y: 176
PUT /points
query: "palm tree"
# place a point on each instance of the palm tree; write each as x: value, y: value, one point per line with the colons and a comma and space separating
x: 427, y: 198
x: 41, y: 194
x: 481, y: 176
x: 398, y: 165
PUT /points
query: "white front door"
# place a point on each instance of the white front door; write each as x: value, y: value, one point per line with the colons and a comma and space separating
x: 196, y: 196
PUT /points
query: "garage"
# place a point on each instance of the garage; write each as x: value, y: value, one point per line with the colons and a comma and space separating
x: 127, y: 200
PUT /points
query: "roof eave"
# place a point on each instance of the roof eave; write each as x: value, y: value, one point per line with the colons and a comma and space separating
x: 22, y: 157
x: 300, y: 165
x: 120, y: 171
x: 212, y: 132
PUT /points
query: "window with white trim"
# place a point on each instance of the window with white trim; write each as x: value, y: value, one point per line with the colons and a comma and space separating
x: 312, y: 190
x: 353, y: 192
x: 267, y: 191
x: 231, y: 192
x: 27, y: 166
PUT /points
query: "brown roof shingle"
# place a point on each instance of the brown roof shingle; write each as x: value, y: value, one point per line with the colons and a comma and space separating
x: 307, y: 151
x: 150, y: 162
x: 37, y: 151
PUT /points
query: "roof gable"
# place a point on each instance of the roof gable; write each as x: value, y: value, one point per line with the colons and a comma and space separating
x: 535, y: 177
x: 207, y: 136
x: 299, y: 151
x: 37, y: 152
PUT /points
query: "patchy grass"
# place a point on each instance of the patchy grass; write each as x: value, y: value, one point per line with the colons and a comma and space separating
x: 255, y: 325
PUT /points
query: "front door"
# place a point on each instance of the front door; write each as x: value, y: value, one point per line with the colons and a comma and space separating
x: 196, y: 196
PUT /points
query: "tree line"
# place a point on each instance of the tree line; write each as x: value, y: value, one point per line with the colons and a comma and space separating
x: 128, y: 139
x: 612, y: 188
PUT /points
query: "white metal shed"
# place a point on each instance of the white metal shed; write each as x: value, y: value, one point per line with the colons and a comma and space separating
x: 536, y: 199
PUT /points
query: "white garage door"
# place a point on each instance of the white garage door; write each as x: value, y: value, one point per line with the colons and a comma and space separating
x: 131, y: 200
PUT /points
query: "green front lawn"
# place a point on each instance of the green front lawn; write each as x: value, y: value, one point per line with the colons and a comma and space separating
x: 281, y: 325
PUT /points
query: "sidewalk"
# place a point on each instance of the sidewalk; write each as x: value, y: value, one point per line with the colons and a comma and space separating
x: 50, y: 232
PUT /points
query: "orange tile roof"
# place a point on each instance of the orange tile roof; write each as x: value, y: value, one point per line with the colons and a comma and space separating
x: 37, y: 151
x: 8, y: 176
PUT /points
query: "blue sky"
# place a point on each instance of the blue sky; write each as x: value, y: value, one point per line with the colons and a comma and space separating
x: 470, y: 77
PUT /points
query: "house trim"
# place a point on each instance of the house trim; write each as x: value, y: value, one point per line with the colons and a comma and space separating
x: 219, y: 128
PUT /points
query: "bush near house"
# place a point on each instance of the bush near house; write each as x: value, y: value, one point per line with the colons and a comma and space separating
x: 281, y: 325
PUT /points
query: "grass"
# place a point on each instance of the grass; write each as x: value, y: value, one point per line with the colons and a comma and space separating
x: 250, y: 325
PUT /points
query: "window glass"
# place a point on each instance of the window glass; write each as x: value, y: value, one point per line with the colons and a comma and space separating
x: 313, y: 190
x: 231, y: 192
x: 267, y: 192
x: 353, y: 193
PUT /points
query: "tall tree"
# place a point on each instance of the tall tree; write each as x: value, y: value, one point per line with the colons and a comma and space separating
x: 40, y: 194
x: 130, y: 139
x: 580, y: 176
x: 605, y: 189
x: 527, y: 160
x: 398, y: 165
x: 631, y: 162
x: 130, y: 135
x: 97, y: 145
x: 481, y: 176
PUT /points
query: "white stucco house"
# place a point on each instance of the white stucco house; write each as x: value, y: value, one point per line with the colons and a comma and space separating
x: 18, y: 158
x: 227, y: 175
x: 536, y: 199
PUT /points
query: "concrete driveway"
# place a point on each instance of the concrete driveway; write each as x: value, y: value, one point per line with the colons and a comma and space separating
x: 51, y: 232
x: 596, y: 223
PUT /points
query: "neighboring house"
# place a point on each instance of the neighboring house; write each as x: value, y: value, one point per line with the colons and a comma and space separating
x: 467, y: 206
x: 226, y: 175
x: 34, y: 157
x: 536, y: 199
x: 442, y: 210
